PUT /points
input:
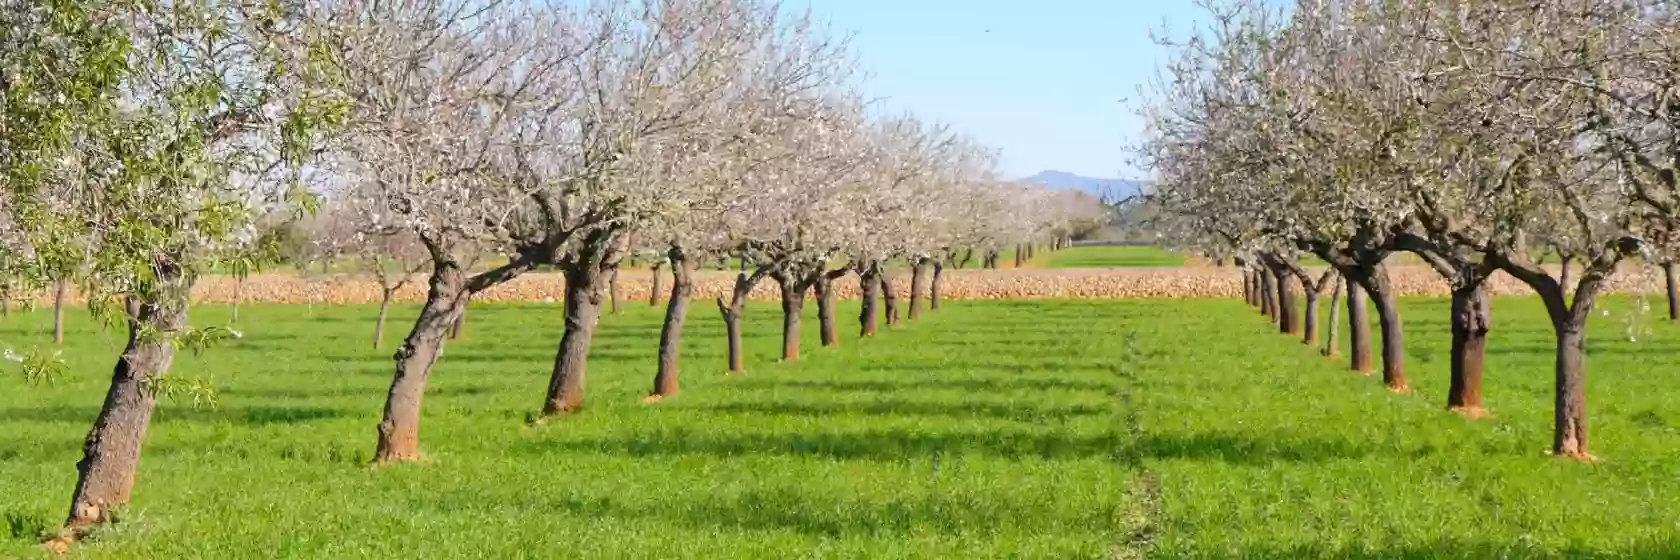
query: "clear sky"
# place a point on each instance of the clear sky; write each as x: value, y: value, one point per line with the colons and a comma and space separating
x: 1044, y: 80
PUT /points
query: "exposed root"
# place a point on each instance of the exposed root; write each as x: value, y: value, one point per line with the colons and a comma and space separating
x: 1400, y: 389
x: 1472, y: 412
x: 392, y: 460
x: 1581, y: 456
x: 651, y: 399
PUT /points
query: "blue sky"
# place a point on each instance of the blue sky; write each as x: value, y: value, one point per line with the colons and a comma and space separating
x: 1042, y: 80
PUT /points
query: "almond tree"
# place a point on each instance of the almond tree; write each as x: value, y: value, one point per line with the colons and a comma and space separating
x: 163, y: 132
x: 455, y: 108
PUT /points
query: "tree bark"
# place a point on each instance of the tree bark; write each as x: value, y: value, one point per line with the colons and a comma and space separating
x: 918, y: 283
x: 1563, y: 278
x: 665, y: 381
x: 653, y: 295
x: 1020, y: 254
x: 585, y: 284
x: 825, y: 309
x: 458, y: 328
x: 869, y: 289
x: 1359, y: 329
x: 731, y: 310
x: 60, y: 287
x: 1335, y: 309
x: 1309, y: 324
x: 1288, y: 318
x: 1248, y: 286
x: 1268, y: 293
x: 1472, y: 315
x: 1569, y: 432
x: 1393, y: 331
x: 889, y: 296
x: 612, y: 288
x: 1672, y: 290
x: 111, y: 452
x: 934, y: 284
x: 238, y: 296
x: 379, y: 325
x: 399, y: 430
x: 793, y: 304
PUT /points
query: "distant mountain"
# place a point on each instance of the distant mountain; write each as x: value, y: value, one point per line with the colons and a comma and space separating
x: 1109, y: 189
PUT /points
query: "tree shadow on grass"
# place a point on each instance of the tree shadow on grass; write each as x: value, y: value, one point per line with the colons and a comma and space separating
x: 1454, y: 548
x: 1247, y: 449
x: 1020, y: 413
x: 878, y: 445
x: 246, y: 415
x: 973, y: 384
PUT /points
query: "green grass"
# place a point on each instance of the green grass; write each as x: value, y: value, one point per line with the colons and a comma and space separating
x: 1055, y: 429
x: 1114, y: 256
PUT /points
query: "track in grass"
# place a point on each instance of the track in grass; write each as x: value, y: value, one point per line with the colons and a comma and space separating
x: 989, y: 429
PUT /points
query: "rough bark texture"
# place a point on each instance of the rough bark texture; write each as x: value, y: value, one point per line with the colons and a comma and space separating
x: 825, y: 309
x: 1569, y: 432
x: 585, y: 287
x: 59, y: 295
x: 399, y: 430
x: 1288, y: 317
x: 1309, y: 323
x: 665, y: 382
x: 889, y: 297
x: 869, y: 284
x: 1393, y: 332
x: 111, y: 452
x: 933, y: 285
x: 459, y: 327
x: 1248, y: 286
x: 1472, y: 315
x: 731, y: 310
x: 1359, y: 329
x: 793, y: 304
x: 918, y: 284
x: 1268, y: 294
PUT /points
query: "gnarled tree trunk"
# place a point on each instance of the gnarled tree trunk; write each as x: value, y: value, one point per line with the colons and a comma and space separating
x: 731, y: 310
x: 918, y: 283
x: 1288, y: 318
x: 676, y: 314
x: 399, y: 429
x: 889, y: 296
x: 793, y: 287
x: 1359, y: 329
x: 869, y: 290
x: 111, y: 452
x: 1472, y: 315
x: 459, y: 327
x: 1268, y: 293
x: 825, y: 308
x: 585, y: 290
x: 1393, y: 331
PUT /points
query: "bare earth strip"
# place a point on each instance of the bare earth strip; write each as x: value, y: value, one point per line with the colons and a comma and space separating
x: 958, y: 284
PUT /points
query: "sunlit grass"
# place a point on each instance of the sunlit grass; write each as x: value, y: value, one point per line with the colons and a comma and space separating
x: 988, y: 429
x: 1112, y: 256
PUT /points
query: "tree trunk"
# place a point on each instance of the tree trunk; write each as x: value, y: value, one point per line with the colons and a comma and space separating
x: 457, y: 328
x: 1248, y: 286
x: 918, y: 283
x: 889, y: 296
x: 6, y: 308
x: 933, y: 285
x: 1268, y: 293
x: 399, y: 430
x: 1393, y: 331
x: 1672, y: 290
x: 1020, y: 255
x: 1472, y: 315
x: 653, y: 295
x: 1359, y: 328
x: 1309, y: 331
x: 1563, y: 278
x: 379, y: 325
x: 676, y: 314
x: 111, y: 452
x: 1569, y: 432
x: 869, y: 289
x: 238, y: 296
x: 731, y: 311
x: 612, y: 288
x: 1288, y: 318
x: 59, y: 289
x: 793, y: 304
x: 825, y: 310
x: 584, y: 287
x: 1335, y: 309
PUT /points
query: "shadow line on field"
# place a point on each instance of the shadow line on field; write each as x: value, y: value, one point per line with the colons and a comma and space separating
x: 887, y: 445
x: 977, y: 385
x: 1005, y: 411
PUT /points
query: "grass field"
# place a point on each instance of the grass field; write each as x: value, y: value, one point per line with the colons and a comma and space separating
x: 1086, y: 429
x: 1117, y: 256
